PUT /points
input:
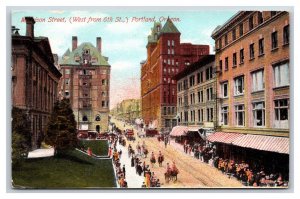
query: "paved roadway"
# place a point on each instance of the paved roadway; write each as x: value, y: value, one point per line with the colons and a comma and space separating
x: 192, y: 172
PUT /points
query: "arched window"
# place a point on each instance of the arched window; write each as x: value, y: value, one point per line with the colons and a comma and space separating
x: 97, y: 118
x: 85, y: 118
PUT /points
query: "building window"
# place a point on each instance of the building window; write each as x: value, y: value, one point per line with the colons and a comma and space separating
x: 103, y: 81
x: 281, y: 114
x: 85, y: 118
x: 168, y: 42
x: 172, y: 51
x: 260, y: 18
x: 241, y: 29
x: 198, y: 78
x: 209, y: 114
x: 209, y: 94
x: 103, y: 104
x: 234, y: 60
x: 192, y: 80
x: 201, y: 76
x: 251, y: 50
x: 241, y: 56
x: 169, y: 52
x: 226, y: 63
x: 103, y: 94
x: 173, y: 44
x: 97, y: 118
x: 281, y: 75
x: 286, y: 34
x: 261, y: 46
x: 67, y: 81
x: 67, y: 71
x: 169, y: 61
x: 239, y: 86
x: 201, y: 96
x: 226, y: 40
x: 209, y: 73
x: 67, y: 94
x: 185, y: 84
x: 199, y: 116
x: 259, y: 114
x: 250, y: 23
x: 233, y: 34
x: 220, y: 65
x: 224, y: 115
x: 274, y: 40
x: 239, y: 115
x: 224, y: 89
x: 258, y: 83
x: 220, y: 43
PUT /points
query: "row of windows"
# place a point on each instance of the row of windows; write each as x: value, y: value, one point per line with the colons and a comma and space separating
x: 85, y: 118
x: 281, y: 112
x: 190, y: 116
x: 261, y: 49
x: 171, y: 70
x: 67, y: 71
x: 200, y: 97
x: 169, y: 110
x: 280, y: 74
x: 240, y: 28
x: 183, y: 85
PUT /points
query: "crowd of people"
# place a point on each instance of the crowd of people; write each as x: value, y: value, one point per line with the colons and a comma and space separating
x: 142, y: 168
x: 256, y: 177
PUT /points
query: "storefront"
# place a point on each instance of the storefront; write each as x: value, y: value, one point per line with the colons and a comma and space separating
x: 268, y: 153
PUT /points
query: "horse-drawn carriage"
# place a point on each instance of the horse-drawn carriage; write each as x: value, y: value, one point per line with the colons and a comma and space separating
x: 171, y: 175
x: 129, y: 135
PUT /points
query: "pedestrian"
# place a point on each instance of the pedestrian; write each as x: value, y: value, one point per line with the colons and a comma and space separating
x: 124, y: 170
x: 143, y: 185
x: 132, y: 161
x: 152, y: 159
x: 89, y: 151
x: 109, y: 152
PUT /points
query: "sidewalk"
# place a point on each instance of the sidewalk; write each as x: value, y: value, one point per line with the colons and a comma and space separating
x: 132, y: 178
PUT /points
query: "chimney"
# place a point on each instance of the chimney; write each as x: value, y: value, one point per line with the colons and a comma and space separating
x: 30, y: 27
x: 99, y: 44
x: 74, y: 42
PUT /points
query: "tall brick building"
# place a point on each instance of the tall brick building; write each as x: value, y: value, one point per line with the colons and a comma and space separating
x: 166, y: 56
x: 252, y: 57
x: 34, y: 78
x: 85, y: 81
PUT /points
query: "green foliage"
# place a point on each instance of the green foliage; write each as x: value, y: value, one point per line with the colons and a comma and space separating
x: 21, y: 136
x: 71, y: 169
x: 61, y: 128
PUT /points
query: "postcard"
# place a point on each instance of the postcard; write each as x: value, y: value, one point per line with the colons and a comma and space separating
x: 110, y: 99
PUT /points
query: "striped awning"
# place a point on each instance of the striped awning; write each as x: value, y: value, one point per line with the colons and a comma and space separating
x: 264, y: 143
x: 179, y: 131
x: 223, y: 137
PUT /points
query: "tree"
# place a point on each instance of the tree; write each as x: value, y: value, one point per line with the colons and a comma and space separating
x: 61, y: 128
x: 21, y: 136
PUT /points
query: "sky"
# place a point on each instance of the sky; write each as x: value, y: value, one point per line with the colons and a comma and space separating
x: 123, y: 42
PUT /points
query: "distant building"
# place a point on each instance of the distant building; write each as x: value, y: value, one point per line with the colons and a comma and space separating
x: 128, y: 110
x: 85, y: 81
x: 166, y: 56
x: 196, y: 94
x: 34, y: 78
x: 252, y: 58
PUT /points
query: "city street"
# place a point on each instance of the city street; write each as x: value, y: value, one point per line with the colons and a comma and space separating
x: 192, y: 172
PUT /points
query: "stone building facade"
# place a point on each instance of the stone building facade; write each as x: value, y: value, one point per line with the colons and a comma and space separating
x: 196, y: 94
x: 34, y: 78
x: 166, y: 56
x: 85, y: 81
